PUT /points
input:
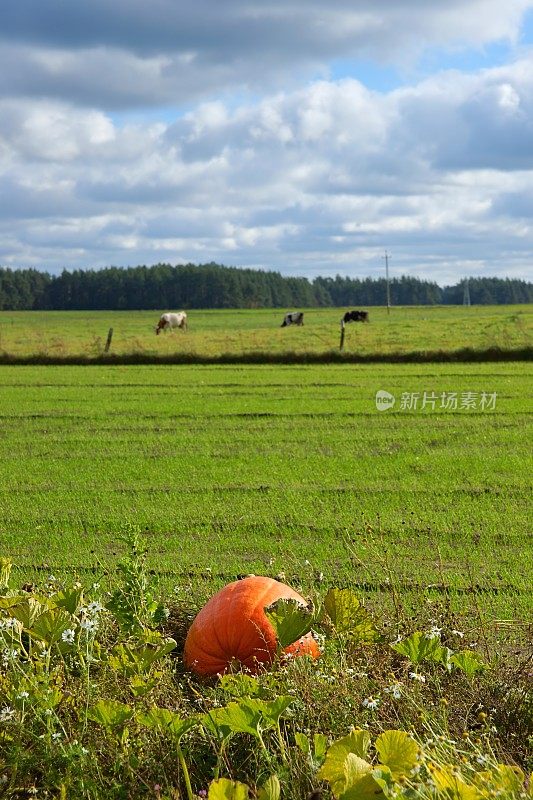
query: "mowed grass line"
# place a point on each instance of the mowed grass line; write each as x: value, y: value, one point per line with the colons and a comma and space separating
x: 256, y: 334
x: 272, y: 469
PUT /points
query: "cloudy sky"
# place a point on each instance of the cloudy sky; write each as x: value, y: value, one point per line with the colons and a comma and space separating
x: 299, y: 135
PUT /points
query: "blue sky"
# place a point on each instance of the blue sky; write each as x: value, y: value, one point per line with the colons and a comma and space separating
x: 290, y: 135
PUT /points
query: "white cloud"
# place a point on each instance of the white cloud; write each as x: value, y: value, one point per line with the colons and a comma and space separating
x: 312, y: 178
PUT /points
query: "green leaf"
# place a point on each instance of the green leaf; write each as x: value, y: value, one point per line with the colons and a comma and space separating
x: 28, y: 610
x: 240, y: 685
x: 359, y: 782
x: 141, y: 686
x: 236, y: 718
x: 302, y: 741
x: 320, y: 743
x: 397, y: 751
x: 290, y: 620
x: 50, y: 625
x: 349, y: 616
x: 224, y: 789
x: 469, y: 662
x: 166, y: 721
x: 273, y: 710
x: 138, y: 660
x: 334, y: 768
x: 12, y: 600
x: 110, y: 713
x: 419, y: 647
x: 383, y: 777
x: 270, y: 790
x: 69, y: 599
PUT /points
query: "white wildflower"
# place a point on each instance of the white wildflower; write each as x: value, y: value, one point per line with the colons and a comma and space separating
x: 434, y: 632
x: 94, y: 608
x: 460, y: 634
x: 417, y: 677
x: 481, y: 759
x: 88, y: 624
x: 56, y: 736
x: 68, y: 635
x: 95, y: 586
x: 9, y: 622
x: 6, y: 714
x: 23, y: 696
x: 371, y: 703
x: 395, y: 690
x: 9, y: 654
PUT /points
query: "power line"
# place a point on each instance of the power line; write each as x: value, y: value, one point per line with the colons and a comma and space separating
x: 386, y: 257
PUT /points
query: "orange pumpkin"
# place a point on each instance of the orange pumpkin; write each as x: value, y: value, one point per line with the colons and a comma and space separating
x: 233, y: 627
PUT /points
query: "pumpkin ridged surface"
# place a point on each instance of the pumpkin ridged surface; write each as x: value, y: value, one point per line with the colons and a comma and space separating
x: 232, y: 627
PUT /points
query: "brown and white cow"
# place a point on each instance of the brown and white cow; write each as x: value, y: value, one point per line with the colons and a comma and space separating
x: 168, y: 321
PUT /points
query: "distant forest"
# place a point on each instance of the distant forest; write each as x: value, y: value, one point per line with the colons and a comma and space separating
x: 214, y: 286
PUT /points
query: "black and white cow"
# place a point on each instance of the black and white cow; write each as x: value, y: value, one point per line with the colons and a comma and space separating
x: 355, y: 316
x: 293, y: 318
x: 168, y: 322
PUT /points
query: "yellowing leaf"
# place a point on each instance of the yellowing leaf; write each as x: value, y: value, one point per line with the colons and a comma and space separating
x: 290, y: 620
x: 224, y: 789
x: 270, y: 790
x: 348, y: 615
x: 334, y: 769
x: 453, y: 785
x: 397, y: 751
x: 110, y: 713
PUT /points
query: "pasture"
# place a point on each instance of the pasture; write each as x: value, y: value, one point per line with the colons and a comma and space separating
x: 274, y: 469
x: 212, y: 333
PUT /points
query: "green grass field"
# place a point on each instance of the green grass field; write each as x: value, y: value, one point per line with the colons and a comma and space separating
x: 270, y: 469
x: 57, y: 334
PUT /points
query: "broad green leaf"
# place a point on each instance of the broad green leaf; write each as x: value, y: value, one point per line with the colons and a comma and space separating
x: 110, y: 713
x: 69, y: 599
x: 383, y: 777
x: 272, y: 710
x: 237, y: 717
x: 141, y: 686
x: 28, y: 610
x: 397, y: 751
x: 468, y: 661
x: 290, y: 620
x: 270, y: 790
x: 166, y: 721
x: 320, y: 742
x: 333, y: 769
x: 349, y: 616
x: 224, y: 789
x: 359, y: 782
x: 12, y: 600
x: 303, y: 743
x: 419, y: 647
x: 240, y: 685
x: 50, y: 625
x: 138, y: 660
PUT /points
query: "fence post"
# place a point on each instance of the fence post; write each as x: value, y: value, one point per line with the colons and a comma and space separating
x: 108, y: 343
x: 343, y: 331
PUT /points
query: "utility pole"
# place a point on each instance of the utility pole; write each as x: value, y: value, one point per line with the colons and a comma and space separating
x: 466, y: 293
x: 386, y: 257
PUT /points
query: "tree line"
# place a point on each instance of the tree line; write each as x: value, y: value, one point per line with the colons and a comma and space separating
x: 164, y: 286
